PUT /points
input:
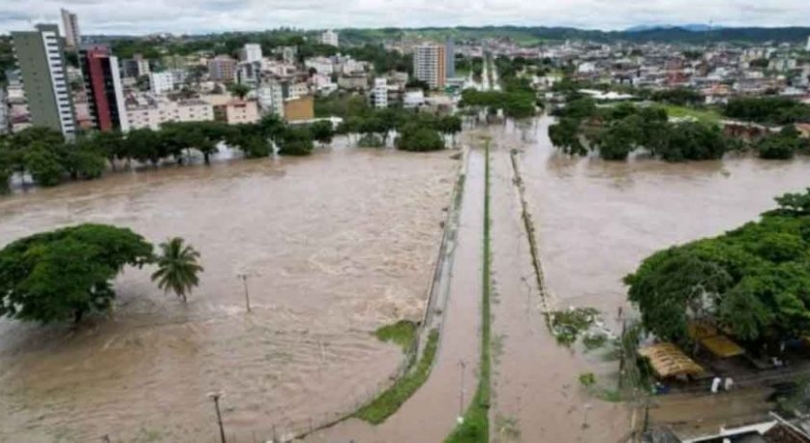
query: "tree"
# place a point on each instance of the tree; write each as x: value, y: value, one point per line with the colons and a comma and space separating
x: 177, y: 268
x: 322, y: 132
x: 417, y: 138
x: 145, y: 145
x: 295, y: 141
x: 66, y: 273
x: 752, y: 282
x: 564, y: 135
x: 43, y: 164
x: 111, y: 145
x: 452, y: 125
x: 239, y: 90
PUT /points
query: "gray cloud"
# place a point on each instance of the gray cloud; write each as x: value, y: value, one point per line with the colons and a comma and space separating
x: 198, y: 16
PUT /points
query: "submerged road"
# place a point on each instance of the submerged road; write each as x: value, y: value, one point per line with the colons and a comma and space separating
x: 430, y: 414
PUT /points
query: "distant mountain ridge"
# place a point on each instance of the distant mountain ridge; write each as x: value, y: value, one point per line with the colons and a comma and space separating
x: 695, y: 27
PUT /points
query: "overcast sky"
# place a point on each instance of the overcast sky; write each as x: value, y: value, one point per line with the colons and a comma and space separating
x: 200, y: 16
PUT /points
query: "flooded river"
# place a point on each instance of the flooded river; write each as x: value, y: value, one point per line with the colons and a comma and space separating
x: 597, y: 220
x: 335, y: 245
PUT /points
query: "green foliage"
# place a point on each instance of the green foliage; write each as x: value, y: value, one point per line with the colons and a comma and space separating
x: 322, y: 131
x: 387, y: 403
x: 587, y: 379
x: 343, y: 105
x: 370, y: 141
x: 177, y: 267
x: 568, y: 325
x: 416, y: 138
x: 239, y: 90
x: 402, y: 333
x: 767, y: 110
x: 295, y: 141
x: 43, y: 164
x: 753, y: 281
x: 782, y: 146
x: 679, y: 96
x: 760, y: 63
x: 63, y: 274
x: 565, y: 135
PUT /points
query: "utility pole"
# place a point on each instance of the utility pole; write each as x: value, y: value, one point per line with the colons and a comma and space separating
x: 216, y: 396
x: 244, y: 278
x: 463, y: 366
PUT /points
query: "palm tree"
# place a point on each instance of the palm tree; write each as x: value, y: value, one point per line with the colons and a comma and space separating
x: 177, y: 267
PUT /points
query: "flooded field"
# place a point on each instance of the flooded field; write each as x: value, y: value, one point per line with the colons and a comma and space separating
x: 597, y: 220
x: 335, y: 246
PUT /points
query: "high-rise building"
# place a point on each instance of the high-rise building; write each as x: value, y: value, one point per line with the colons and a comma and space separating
x: 252, y: 52
x: 450, y: 54
x: 70, y: 25
x: 105, y: 95
x: 808, y: 45
x: 430, y: 64
x: 380, y: 92
x: 330, y: 37
x: 222, y: 68
x: 41, y: 58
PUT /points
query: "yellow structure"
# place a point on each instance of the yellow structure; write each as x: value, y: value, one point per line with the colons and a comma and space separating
x: 667, y: 360
x: 237, y: 112
x: 302, y: 108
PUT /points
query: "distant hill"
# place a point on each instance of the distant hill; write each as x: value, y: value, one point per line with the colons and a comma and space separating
x: 690, y: 27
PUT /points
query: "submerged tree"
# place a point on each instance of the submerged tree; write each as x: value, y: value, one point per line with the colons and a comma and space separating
x: 66, y: 273
x: 753, y: 282
x: 177, y: 268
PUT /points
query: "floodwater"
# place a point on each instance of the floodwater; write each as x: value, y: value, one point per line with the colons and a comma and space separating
x: 595, y: 221
x: 430, y: 414
x: 335, y: 246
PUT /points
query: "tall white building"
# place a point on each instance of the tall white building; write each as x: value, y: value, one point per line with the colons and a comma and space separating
x: 330, y: 37
x: 430, y: 64
x: 70, y: 27
x: 161, y: 82
x: 808, y: 45
x: 252, y: 52
x: 380, y: 92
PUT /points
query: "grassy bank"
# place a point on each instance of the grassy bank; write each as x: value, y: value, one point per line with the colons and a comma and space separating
x: 706, y: 115
x: 475, y: 427
x: 387, y: 403
x: 402, y: 333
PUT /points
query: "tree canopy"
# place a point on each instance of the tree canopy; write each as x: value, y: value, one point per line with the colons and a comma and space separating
x: 66, y: 273
x: 753, y: 281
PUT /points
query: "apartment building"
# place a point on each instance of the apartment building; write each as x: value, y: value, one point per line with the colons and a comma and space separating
x: 252, y: 52
x: 150, y: 113
x: 380, y: 93
x: 222, y: 69
x: 237, y: 112
x: 137, y: 66
x: 41, y: 59
x: 105, y: 95
x: 70, y: 25
x: 430, y: 64
x: 161, y: 82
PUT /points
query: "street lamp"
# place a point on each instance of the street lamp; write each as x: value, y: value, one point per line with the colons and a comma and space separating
x: 243, y: 276
x: 216, y: 396
x: 460, y: 419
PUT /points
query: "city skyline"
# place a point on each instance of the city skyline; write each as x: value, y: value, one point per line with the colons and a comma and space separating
x: 185, y: 16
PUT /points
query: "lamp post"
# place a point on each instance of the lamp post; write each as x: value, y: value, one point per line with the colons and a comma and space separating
x: 216, y: 396
x: 244, y: 277
x: 463, y: 366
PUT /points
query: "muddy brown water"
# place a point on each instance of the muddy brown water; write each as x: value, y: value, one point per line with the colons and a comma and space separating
x: 595, y: 222
x: 336, y: 245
